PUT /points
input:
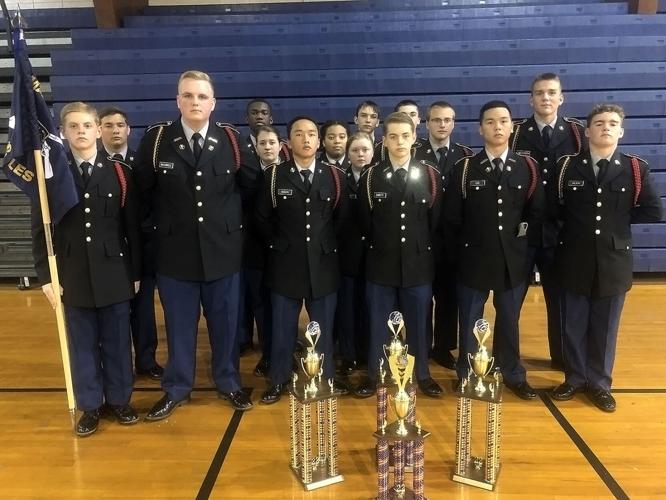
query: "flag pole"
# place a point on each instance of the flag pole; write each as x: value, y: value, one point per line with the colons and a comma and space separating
x: 55, y: 283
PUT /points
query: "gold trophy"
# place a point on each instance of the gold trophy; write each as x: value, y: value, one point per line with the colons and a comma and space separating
x: 313, y: 362
x: 478, y: 471
x: 397, y: 346
x: 395, y: 439
x: 313, y: 459
x: 481, y: 363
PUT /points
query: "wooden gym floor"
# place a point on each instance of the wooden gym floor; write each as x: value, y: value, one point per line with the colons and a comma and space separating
x: 206, y: 450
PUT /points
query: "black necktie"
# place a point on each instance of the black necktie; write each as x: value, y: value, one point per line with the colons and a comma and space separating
x: 118, y: 156
x: 498, y: 163
x: 545, y: 135
x: 603, y: 166
x: 400, y: 176
x: 306, y: 179
x: 443, y: 151
x: 86, y: 171
x: 196, y: 147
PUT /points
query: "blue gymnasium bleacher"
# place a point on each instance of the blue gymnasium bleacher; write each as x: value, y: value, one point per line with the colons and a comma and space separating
x: 322, y: 58
x: 66, y: 18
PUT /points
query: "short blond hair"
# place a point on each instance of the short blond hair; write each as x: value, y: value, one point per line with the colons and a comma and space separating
x: 78, y: 107
x: 194, y: 74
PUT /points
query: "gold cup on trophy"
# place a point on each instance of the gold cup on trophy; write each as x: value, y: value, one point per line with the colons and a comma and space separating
x: 401, y: 366
x: 481, y: 363
x: 313, y: 362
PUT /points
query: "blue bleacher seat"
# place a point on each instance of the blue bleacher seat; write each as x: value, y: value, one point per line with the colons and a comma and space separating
x: 648, y: 235
x: 355, y: 33
x: 651, y: 260
x: 339, y: 56
x: 381, y: 15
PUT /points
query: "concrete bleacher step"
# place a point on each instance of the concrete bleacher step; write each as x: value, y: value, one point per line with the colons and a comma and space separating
x: 41, y: 66
x: 54, y: 19
x: 6, y: 90
x: 343, y: 56
x: 351, y: 32
x: 372, y: 15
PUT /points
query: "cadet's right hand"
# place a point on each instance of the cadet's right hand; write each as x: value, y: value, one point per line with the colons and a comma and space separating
x: 48, y: 291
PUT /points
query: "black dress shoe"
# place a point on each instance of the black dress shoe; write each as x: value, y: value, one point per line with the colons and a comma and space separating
x: 347, y: 367
x: 523, y: 390
x: 602, y: 399
x: 366, y: 388
x: 88, y: 423
x: 430, y: 388
x: 564, y: 392
x: 164, y: 408
x: 273, y: 394
x: 238, y: 399
x: 154, y: 373
x: 124, y: 414
x: 245, y: 348
x: 446, y: 360
x: 340, y: 387
x: 262, y: 368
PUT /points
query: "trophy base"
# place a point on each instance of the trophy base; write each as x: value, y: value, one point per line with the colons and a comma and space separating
x: 475, y: 476
x: 407, y: 495
x: 320, y: 478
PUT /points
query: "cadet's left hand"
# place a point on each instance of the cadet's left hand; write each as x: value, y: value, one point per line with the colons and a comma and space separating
x: 137, y: 284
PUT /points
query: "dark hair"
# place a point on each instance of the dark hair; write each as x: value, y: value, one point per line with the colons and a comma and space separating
x: 297, y: 118
x: 405, y: 102
x: 368, y: 104
x: 605, y: 108
x: 112, y: 110
x: 269, y: 129
x: 330, y: 123
x: 438, y: 104
x: 258, y: 100
x: 398, y: 117
x: 543, y: 77
x: 492, y: 105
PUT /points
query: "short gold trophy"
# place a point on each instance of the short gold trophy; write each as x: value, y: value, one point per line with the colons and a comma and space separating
x: 478, y: 471
x: 319, y: 469
x: 399, y: 434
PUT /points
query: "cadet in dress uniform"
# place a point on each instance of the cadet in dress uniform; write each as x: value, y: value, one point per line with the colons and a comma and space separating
x: 98, y: 249
x: 334, y: 136
x: 490, y: 199
x: 256, y: 292
x: 439, y: 150
x: 398, y: 211
x: 547, y: 137
x: 351, y: 325
x: 258, y: 113
x: 601, y: 192
x: 411, y: 109
x: 196, y: 171
x: 115, y: 132
x: 295, y: 214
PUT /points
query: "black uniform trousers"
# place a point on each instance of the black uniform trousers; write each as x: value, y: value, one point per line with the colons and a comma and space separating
x: 100, y: 354
x: 182, y: 301
x: 590, y: 338
x: 351, y: 320
x: 506, y: 345
x: 255, y: 306
x: 445, y: 293
x: 144, y: 329
x: 544, y: 258
x: 285, y: 313
x: 413, y: 302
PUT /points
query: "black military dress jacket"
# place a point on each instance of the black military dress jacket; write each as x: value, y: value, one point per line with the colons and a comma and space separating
x: 351, y: 240
x: 298, y: 227
x: 198, y: 206
x: 567, y: 138
x: 399, y: 224
x: 97, y: 243
x: 594, y: 255
x: 484, y: 214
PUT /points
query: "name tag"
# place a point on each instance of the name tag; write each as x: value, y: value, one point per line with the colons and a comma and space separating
x: 379, y: 195
x: 524, y: 152
x: 352, y: 196
x: 166, y: 164
x: 479, y: 183
x: 285, y: 192
x: 575, y: 183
